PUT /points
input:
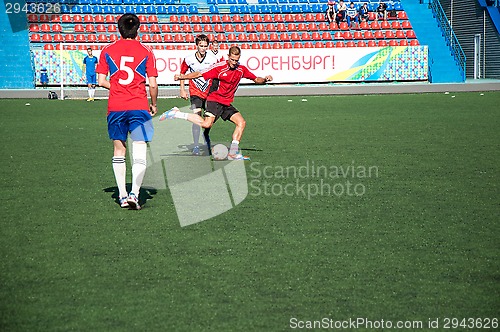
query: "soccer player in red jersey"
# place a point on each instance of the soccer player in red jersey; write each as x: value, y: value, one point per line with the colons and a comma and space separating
x: 198, y: 88
x: 128, y: 63
x: 226, y: 77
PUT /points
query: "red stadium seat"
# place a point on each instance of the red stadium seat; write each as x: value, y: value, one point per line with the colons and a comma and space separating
x: 281, y: 27
x: 382, y: 43
x: 218, y: 28
x: 263, y: 37
x: 299, y: 18
x: 205, y: 19
x: 157, y: 39
x: 99, y: 18
x: 347, y: 35
x: 79, y: 28
x: 92, y: 38
x: 393, y: 42
x: 165, y: 28
x: 343, y: 26
x: 305, y: 36
x: 189, y: 38
x: 112, y: 28
x: 338, y: 35
x: 339, y: 44
x: 89, y: 28
x: 168, y: 38
x: 88, y: 18
x: 378, y: 34
x: 253, y: 37
x: 323, y: 26
x: 385, y: 25
x: 257, y: 18
x: 80, y: 38
x: 32, y: 18
x: 255, y: 46
x: 100, y: 28
x: 350, y: 43
x: 228, y: 28
x: 35, y: 37
x: 368, y: 35
x: 375, y: 26
x: 320, y: 17
x: 364, y: 26
x: 231, y: 37
x: 153, y: 19
x: 333, y: 26
x: 287, y: 45
x: 69, y: 38
x: 270, y: 27
x: 247, y: 18
x: 406, y: 25
x: 389, y: 34
x: 195, y: 19
x: 312, y: 26
x: 266, y: 46
x: 197, y: 28
x: 308, y: 44
x: 237, y: 19
x: 268, y: 18
x: 301, y: 27
x: 396, y: 25
x: 48, y: 47
x: 110, y: 19
x: 400, y: 34
x: 102, y: 38
x: 289, y: 18
x: 45, y: 27
x: 326, y: 35
x: 250, y: 27
x: 176, y: 28
x: 402, y: 15
x: 113, y: 38
x: 33, y: 27
x: 284, y: 36
x: 291, y: 27
x: 278, y: 18
x: 245, y: 46
x: 184, y: 19
x: 316, y: 36
x: 276, y: 46
x: 178, y: 38
x: 319, y: 44
x: 260, y: 27
x: 226, y: 18
x: 155, y: 28
x: 242, y: 37
x: 77, y: 18
x: 66, y: 18
x: 294, y: 36
x: 403, y: 42
x: 361, y: 43
x: 329, y: 44
x: 174, y: 19
x: 298, y: 45
x: 207, y: 28
x: 273, y: 36
x: 410, y: 34
x: 216, y: 19
x: 239, y: 27
x: 372, y: 43
x: 44, y: 18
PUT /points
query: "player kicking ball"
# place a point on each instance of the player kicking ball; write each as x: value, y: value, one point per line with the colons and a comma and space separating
x: 226, y: 77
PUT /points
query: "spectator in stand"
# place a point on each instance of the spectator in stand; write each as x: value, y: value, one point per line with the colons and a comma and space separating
x: 364, y: 13
x: 352, y: 15
x: 341, y: 9
x: 330, y: 12
x: 382, y: 11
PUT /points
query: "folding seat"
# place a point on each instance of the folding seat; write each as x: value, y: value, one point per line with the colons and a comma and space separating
x: 197, y: 28
x: 44, y: 18
x: 112, y: 28
x: 382, y: 43
x: 273, y: 36
x: 396, y: 25
x: 308, y: 44
x: 400, y: 34
x: 58, y: 38
x: 33, y: 18
x: 143, y: 28
x: 113, y: 38
x: 266, y: 46
x: 372, y: 43
x: 312, y: 26
x: 260, y: 27
x: 34, y: 37
x: 358, y: 35
x: 393, y: 42
x: 372, y: 16
x: 169, y: 47
x: 263, y: 37
x: 294, y: 36
x: 100, y: 28
x: 402, y: 15
x: 364, y: 26
x: 298, y: 45
x: 168, y: 38
x: 281, y: 27
x: 299, y: 18
x: 154, y: 28
x: 309, y: 17
x: 184, y: 19
x: 284, y: 36
x: 375, y: 25
x: 33, y: 27
x: 228, y: 28
x: 193, y: 9
x: 406, y: 25
x: 231, y: 37
x: 176, y: 28
x: 268, y: 18
x: 278, y: 18
x: 48, y: 47
x: 319, y: 44
x: 347, y: 35
x: 343, y: 26
x: 180, y: 47
x: 276, y: 46
x: 69, y: 38
x: 385, y: 25
x: 338, y: 35
x: 119, y: 10
x: 242, y: 37
x: 410, y: 34
x: 80, y: 38
x: 45, y: 27
x: 329, y: 44
x: 224, y: 47
x: 326, y: 35
x: 403, y: 42
x: 247, y: 18
x: 109, y: 19
x: 178, y: 38
x: 305, y: 36
x: 333, y: 26
x: 189, y: 38
x: 174, y: 19
x: 226, y: 18
x: 253, y: 37
x: 92, y: 38
x: 207, y: 28
x: 257, y: 18
x: 65, y: 18
x: 245, y: 46
x: 216, y: 19
x: 291, y: 27
x: 237, y: 19
x: 102, y: 38
x: 389, y: 34
x: 368, y: 35
x: 239, y: 27
x: 218, y: 28
x: 250, y: 28
x: 289, y: 18
x: 186, y: 28
x: 255, y: 46
x: 340, y: 44
x: 378, y: 34
x: 350, y: 43
x: 205, y: 19
x: 79, y: 28
x: 153, y: 19
x: 301, y: 27
x: 270, y: 27
x: 361, y: 43
x: 323, y: 26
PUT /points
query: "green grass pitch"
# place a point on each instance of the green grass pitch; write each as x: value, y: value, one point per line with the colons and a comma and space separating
x: 418, y: 242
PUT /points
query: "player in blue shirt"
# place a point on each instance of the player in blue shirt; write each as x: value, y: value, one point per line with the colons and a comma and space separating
x: 89, y: 66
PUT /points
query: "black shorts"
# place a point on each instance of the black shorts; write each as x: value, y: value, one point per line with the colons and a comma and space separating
x: 197, y: 102
x: 220, y: 111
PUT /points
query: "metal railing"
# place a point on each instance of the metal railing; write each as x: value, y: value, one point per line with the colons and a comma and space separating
x: 448, y: 33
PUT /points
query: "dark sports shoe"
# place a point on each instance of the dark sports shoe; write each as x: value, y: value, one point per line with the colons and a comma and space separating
x: 133, y: 202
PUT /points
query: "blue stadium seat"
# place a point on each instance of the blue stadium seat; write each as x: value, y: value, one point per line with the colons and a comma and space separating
x: 65, y: 9
x: 234, y: 9
x: 97, y: 9
x: 285, y: 9
x: 283, y: 1
x: 140, y: 9
x: 275, y: 9
x: 84, y: 2
x: 86, y: 9
x: 296, y: 9
x: 119, y: 9
x: 221, y: 2
x: 254, y: 9
x: 244, y: 9
x: 95, y: 2
x: 317, y: 8
x: 151, y: 9
x: 262, y: 2
x: 211, y: 2
x: 306, y: 8
x: 193, y: 9
x: 243, y: 2
x: 147, y: 2
x: 232, y: 2
x: 116, y: 2
x: 106, y: 2
x: 182, y: 9
x: 293, y: 1
x: 108, y: 9
x: 172, y: 9
x: 213, y: 9
x: 76, y: 9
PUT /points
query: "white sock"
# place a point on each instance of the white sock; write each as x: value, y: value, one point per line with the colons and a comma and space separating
x: 139, y: 153
x: 234, y: 147
x: 181, y: 115
x: 120, y: 170
x: 90, y: 92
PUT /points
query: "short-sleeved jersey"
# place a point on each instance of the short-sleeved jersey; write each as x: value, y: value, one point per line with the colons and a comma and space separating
x: 225, y: 81
x: 199, y: 86
x: 90, y: 65
x: 128, y: 63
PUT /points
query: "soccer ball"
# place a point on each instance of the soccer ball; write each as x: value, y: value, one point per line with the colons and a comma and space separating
x: 220, y: 152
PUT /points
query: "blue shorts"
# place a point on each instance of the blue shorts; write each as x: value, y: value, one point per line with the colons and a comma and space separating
x: 91, y: 79
x: 138, y: 123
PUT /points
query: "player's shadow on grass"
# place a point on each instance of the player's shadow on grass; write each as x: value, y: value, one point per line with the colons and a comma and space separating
x: 144, y: 194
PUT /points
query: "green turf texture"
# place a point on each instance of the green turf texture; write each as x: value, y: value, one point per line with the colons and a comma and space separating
x: 421, y: 243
